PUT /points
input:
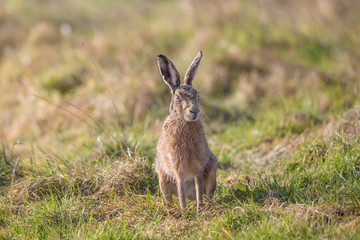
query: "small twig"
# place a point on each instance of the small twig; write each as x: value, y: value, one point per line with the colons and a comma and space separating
x: 13, y: 175
x: 102, y: 79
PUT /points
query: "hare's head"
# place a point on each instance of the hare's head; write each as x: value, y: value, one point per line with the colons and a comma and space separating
x: 185, y: 99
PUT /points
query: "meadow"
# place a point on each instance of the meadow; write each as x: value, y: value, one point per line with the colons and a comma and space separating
x: 82, y: 105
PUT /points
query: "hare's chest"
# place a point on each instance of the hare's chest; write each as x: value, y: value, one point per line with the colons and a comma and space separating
x: 189, y: 157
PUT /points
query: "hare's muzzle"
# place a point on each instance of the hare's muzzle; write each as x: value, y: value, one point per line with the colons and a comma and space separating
x: 193, y: 114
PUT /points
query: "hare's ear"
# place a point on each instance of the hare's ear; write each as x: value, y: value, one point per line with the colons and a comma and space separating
x: 192, y: 70
x: 169, y: 73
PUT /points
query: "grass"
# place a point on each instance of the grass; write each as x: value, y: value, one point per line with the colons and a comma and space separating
x: 83, y: 105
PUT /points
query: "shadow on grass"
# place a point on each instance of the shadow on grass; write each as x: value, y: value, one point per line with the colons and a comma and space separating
x: 261, y: 192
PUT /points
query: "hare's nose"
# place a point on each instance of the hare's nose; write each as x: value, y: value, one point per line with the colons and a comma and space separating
x: 193, y: 112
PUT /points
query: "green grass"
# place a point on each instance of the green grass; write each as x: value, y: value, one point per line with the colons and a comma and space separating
x: 83, y: 103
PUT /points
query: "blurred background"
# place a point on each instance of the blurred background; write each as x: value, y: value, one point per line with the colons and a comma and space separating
x: 78, y: 74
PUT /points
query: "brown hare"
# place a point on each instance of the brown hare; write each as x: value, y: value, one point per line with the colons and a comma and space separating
x: 184, y: 163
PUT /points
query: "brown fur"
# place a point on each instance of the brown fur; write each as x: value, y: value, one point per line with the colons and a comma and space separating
x: 184, y: 164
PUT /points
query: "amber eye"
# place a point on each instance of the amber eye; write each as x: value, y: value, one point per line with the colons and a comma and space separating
x: 177, y: 97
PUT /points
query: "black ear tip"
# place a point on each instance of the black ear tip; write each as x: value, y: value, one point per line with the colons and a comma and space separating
x: 161, y: 56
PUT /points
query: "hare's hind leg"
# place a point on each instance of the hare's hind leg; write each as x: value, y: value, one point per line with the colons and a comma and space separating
x: 210, y: 177
x: 167, y: 187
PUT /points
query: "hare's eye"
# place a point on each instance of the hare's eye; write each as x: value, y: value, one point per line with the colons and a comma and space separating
x: 177, y: 97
